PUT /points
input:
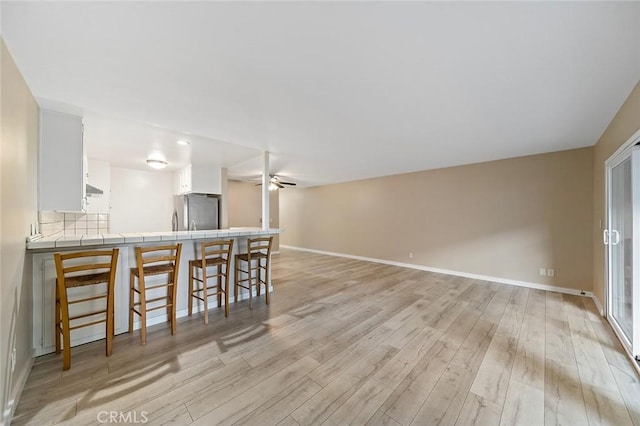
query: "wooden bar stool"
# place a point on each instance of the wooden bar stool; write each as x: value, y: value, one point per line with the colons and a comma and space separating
x: 257, y: 259
x: 215, y: 254
x: 158, y: 260
x: 83, y: 269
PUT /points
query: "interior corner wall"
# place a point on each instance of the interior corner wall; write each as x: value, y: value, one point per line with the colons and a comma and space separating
x: 625, y: 123
x: 504, y: 219
x: 18, y: 210
x: 245, y: 207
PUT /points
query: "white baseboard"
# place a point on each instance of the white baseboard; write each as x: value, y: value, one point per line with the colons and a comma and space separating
x: 15, y: 398
x: 508, y: 281
x: 598, y: 304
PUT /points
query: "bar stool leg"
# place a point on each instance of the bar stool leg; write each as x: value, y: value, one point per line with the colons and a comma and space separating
x: 143, y: 311
x: 204, y: 296
x: 168, y: 297
x: 226, y: 291
x: 191, y: 268
x: 110, y: 323
x: 58, y: 320
x: 250, y: 284
x: 132, y: 299
x: 219, y: 278
x: 258, y: 277
x: 235, y: 283
x: 66, y: 335
x: 266, y: 281
x: 174, y: 290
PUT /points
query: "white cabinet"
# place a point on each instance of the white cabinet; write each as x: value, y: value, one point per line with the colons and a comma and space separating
x: 61, y: 165
x: 199, y: 178
x: 183, y: 180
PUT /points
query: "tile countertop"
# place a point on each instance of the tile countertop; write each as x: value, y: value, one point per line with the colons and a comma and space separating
x: 102, y: 239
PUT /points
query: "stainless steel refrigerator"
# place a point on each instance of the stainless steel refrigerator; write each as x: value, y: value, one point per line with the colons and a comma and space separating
x: 194, y: 212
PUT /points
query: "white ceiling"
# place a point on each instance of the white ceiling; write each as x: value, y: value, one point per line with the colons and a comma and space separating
x: 339, y: 90
x: 129, y: 143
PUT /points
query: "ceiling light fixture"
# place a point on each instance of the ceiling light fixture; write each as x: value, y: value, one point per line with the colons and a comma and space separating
x: 183, y: 142
x: 273, y: 187
x: 156, y: 164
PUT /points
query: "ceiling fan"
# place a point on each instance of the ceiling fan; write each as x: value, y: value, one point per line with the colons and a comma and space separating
x: 275, y: 182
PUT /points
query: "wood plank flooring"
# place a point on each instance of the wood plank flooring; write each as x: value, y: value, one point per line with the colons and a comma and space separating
x: 351, y: 342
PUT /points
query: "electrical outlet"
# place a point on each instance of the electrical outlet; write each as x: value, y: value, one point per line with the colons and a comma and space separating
x: 410, y: 255
x: 543, y: 271
x: 551, y: 272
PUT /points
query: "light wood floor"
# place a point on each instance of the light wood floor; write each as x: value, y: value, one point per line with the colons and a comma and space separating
x: 351, y: 342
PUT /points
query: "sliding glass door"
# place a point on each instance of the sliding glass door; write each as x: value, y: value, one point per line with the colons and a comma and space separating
x: 623, y: 187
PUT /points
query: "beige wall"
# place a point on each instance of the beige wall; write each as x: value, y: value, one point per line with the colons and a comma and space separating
x: 244, y: 200
x: 503, y: 219
x: 18, y: 209
x: 622, y: 127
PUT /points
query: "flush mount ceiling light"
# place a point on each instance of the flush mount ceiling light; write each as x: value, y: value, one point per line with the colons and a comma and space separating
x: 183, y: 142
x: 156, y: 164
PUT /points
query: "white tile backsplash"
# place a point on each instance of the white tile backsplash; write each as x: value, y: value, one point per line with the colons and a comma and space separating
x: 56, y: 234
x: 73, y: 224
x: 49, y: 228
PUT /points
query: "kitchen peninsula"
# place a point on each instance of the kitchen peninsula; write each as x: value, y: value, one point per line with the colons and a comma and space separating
x: 44, y: 276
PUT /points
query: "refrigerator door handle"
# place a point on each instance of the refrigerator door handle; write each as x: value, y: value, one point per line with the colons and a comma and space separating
x: 174, y: 221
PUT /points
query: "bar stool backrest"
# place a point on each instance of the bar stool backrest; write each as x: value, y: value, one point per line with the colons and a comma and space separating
x: 258, y: 248
x: 217, y: 249
x: 71, y: 276
x: 158, y: 259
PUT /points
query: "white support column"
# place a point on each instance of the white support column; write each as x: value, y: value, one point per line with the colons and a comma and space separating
x: 265, y: 190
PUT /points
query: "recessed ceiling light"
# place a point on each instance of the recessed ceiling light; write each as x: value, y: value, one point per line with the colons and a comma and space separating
x: 183, y: 142
x: 156, y: 164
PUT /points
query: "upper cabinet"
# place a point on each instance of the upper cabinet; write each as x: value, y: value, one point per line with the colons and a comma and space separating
x: 199, y: 178
x: 61, y: 165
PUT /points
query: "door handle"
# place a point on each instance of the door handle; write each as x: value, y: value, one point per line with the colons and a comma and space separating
x: 605, y: 237
x: 617, y: 239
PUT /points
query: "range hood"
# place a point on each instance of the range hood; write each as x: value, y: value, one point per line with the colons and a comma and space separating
x: 92, y: 191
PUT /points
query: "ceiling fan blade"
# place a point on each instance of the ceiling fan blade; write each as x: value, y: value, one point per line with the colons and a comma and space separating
x: 258, y: 184
x: 288, y: 183
x: 278, y: 185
